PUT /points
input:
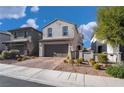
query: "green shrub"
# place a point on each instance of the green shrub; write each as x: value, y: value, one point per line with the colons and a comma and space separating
x: 96, y: 66
x: 6, y: 54
x: 1, y: 57
x: 10, y: 54
x: 92, y: 62
x: 115, y: 71
x: 13, y: 53
x: 79, y: 61
x: 102, y: 58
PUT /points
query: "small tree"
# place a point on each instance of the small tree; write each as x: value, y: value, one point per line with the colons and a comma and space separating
x: 110, y: 25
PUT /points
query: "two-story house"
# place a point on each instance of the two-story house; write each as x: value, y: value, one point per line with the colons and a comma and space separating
x: 4, y: 36
x: 58, y: 37
x: 26, y: 40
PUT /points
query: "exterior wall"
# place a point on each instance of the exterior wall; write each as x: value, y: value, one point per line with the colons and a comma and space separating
x: 57, y: 30
x: 112, y: 53
x: 112, y: 50
x: 35, y: 37
x: 76, y: 41
x: 3, y: 37
x: 20, y: 34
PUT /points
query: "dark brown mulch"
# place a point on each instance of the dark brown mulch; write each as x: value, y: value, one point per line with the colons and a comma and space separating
x: 83, y: 68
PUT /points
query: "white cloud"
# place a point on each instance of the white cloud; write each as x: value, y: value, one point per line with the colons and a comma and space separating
x: 87, y: 30
x: 30, y: 23
x: 12, y: 12
x: 34, y: 9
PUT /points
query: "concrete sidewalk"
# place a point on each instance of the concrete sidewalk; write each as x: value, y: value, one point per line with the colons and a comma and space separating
x: 58, y: 78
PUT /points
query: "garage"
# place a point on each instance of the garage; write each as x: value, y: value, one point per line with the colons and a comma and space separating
x: 58, y: 49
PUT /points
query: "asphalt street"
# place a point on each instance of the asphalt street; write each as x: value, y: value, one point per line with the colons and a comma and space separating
x: 12, y: 82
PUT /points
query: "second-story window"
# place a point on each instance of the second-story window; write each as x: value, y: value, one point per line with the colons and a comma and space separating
x: 49, y: 32
x: 65, y: 30
x: 15, y: 36
x: 25, y: 34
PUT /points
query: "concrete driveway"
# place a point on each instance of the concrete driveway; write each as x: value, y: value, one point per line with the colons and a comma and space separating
x: 42, y: 62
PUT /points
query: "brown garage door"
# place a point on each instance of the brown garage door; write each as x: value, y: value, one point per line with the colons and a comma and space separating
x: 59, y: 49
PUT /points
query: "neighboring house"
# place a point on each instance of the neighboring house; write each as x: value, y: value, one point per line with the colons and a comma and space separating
x: 97, y: 46
x: 26, y: 40
x: 113, y: 53
x: 58, y: 37
x: 4, y: 36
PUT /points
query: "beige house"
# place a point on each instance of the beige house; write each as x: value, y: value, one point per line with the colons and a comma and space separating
x: 58, y: 37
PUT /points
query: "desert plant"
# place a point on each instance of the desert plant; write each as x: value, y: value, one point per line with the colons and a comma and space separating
x: 65, y: 61
x: 25, y: 58
x: 19, y: 59
x: 92, y: 62
x: 96, y: 66
x: 79, y: 61
x: 102, y: 58
x: 115, y: 71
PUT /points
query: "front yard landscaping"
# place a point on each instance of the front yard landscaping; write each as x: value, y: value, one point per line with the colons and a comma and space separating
x: 84, y: 68
x: 91, y: 67
x: 99, y: 68
x: 12, y: 56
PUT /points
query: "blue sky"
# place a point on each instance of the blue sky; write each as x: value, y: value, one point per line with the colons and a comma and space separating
x: 37, y: 17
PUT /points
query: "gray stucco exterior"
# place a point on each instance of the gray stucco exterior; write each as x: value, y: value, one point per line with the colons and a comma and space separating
x: 26, y: 40
x: 4, y: 36
x: 58, y: 41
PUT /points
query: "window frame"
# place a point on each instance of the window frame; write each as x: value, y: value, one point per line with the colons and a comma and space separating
x: 15, y: 35
x: 65, y: 33
x: 49, y: 32
x: 25, y: 34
